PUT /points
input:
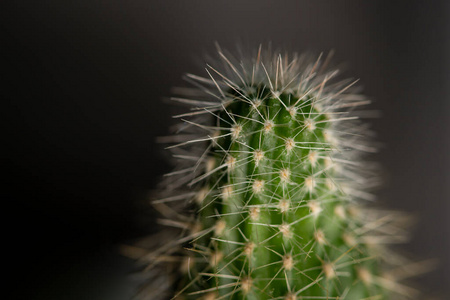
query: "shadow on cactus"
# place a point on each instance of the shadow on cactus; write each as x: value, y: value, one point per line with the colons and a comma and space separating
x: 268, y: 198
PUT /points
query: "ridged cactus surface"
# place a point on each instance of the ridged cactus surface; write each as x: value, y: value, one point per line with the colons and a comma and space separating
x: 268, y: 197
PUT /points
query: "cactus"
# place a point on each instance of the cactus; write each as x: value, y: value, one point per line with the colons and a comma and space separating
x: 269, y: 196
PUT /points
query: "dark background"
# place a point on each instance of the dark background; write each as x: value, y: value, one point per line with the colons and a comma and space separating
x: 81, y: 96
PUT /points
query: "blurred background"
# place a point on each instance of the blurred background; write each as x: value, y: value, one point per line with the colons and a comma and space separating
x: 82, y: 90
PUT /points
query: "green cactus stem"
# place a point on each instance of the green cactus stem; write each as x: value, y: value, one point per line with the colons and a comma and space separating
x: 268, y: 198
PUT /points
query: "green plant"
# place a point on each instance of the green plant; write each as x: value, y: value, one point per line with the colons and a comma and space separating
x: 268, y: 198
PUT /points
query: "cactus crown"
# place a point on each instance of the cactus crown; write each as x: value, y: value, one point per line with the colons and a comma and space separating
x: 267, y: 199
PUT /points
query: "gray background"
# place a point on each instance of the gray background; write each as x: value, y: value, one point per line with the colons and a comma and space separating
x: 83, y: 89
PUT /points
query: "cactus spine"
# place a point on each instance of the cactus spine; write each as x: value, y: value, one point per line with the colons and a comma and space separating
x: 267, y: 201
